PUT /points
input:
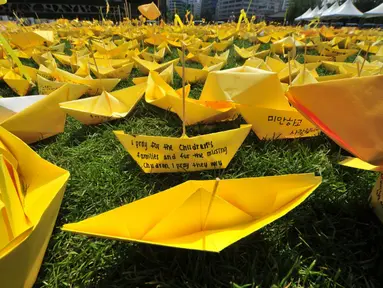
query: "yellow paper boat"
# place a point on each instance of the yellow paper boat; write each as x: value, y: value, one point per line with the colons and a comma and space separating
x: 157, y: 56
x: 17, y: 83
x: 355, y: 127
x: 166, y: 74
x: 95, y: 86
x: 257, y: 63
x: 209, y: 60
x: 46, y: 86
x: 156, y: 154
x: 150, y: 11
x: 193, y: 75
x: 106, y: 107
x: 282, y: 68
x: 271, y: 123
x: 26, y: 40
x: 110, y: 72
x: 147, y: 66
x: 314, y: 58
x: 200, y: 215
x: 42, y: 114
x: 246, y: 53
x: 242, y: 85
x: 31, y: 194
x: 222, y: 45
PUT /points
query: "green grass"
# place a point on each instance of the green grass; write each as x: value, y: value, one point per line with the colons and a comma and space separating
x: 332, y: 240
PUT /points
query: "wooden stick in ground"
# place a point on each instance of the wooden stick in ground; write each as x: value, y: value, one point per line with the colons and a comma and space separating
x: 304, y: 63
x: 126, y: 9
x: 365, y: 58
x: 95, y: 64
x: 211, y: 202
x: 183, y: 92
x: 357, y: 67
x: 288, y: 59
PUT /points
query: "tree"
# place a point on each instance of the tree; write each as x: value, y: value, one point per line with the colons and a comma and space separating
x: 366, y: 5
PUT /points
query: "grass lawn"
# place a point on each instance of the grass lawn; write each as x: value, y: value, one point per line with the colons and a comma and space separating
x: 332, y: 240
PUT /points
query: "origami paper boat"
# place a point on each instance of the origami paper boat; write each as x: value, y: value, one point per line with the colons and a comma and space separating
x: 246, y: 53
x: 355, y: 127
x: 160, y: 94
x: 166, y: 74
x: 147, y: 66
x: 33, y: 118
x: 27, y: 216
x: 46, y: 86
x: 150, y: 11
x: 155, y: 154
x: 222, y: 45
x: 106, y: 107
x: 244, y: 85
x: 193, y: 75
x: 272, y: 123
x: 206, y: 60
x: 17, y: 83
x: 25, y: 40
x: 157, y: 56
x: 109, y: 72
x: 95, y: 86
x: 200, y: 215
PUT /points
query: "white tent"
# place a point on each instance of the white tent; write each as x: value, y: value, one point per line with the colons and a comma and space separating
x: 310, y: 15
x: 347, y: 9
x: 321, y: 11
x: 330, y: 10
x: 303, y: 15
x: 376, y: 12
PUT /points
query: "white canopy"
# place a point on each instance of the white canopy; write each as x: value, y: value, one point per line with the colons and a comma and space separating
x: 330, y: 10
x: 376, y: 12
x: 321, y: 11
x: 303, y: 15
x: 310, y: 15
x: 347, y: 9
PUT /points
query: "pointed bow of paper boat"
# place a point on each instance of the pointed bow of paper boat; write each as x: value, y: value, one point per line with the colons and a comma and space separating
x: 106, y: 107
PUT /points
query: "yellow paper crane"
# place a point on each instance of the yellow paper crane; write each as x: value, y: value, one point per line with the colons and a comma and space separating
x: 106, y: 107
x: 42, y: 114
x: 204, y: 215
x: 31, y: 190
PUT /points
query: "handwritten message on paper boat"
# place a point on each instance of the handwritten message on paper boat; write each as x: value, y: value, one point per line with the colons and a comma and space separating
x: 156, y: 154
x: 260, y: 100
x: 202, y: 215
x: 31, y: 190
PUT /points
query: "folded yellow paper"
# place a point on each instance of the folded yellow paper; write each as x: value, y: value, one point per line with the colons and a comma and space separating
x: 31, y: 190
x: 202, y: 215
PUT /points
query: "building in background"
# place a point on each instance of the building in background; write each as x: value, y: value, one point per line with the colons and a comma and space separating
x: 197, y: 9
x: 285, y: 5
x: 179, y: 7
x: 208, y: 9
x: 227, y: 9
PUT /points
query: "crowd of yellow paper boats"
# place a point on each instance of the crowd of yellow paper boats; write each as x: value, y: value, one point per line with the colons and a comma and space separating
x: 277, y: 99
